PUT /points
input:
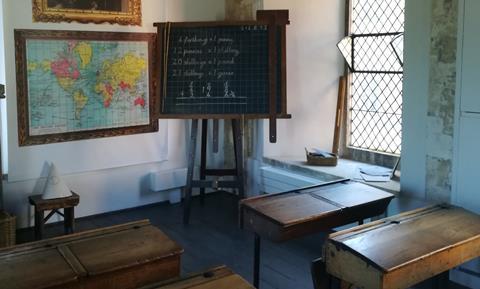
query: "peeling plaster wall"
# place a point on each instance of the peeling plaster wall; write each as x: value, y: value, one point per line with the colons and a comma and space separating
x: 441, y: 100
x: 242, y: 9
x: 429, y: 98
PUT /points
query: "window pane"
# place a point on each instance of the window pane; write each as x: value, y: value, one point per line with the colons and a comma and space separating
x: 376, y: 112
x: 376, y: 54
x: 377, y: 16
x: 376, y: 97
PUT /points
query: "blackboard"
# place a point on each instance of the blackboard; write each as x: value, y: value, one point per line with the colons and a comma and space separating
x: 221, y: 69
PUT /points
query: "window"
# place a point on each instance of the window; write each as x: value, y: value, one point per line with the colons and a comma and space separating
x: 374, y: 53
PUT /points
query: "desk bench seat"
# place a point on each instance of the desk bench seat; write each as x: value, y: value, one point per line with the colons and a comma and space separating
x: 216, y: 278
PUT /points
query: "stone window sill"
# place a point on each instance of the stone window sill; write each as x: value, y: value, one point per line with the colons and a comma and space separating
x: 345, y: 169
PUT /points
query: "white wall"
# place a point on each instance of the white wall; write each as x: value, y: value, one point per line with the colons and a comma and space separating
x: 3, y: 111
x: 415, y: 96
x: 314, y: 65
x: 467, y: 137
x: 116, y: 181
x: 465, y: 185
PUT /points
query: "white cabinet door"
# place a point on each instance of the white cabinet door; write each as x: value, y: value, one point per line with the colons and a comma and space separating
x: 470, y: 100
x: 468, y: 171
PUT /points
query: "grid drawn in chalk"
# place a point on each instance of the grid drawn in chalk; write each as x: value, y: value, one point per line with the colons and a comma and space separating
x: 233, y: 79
x: 53, y: 110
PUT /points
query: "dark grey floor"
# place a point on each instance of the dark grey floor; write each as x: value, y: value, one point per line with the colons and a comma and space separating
x: 213, y: 238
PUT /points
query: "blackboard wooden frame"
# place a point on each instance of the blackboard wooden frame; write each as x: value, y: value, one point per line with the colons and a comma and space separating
x: 275, y: 20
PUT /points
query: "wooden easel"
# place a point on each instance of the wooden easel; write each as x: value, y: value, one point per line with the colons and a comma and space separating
x: 202, y: 183
x: 275, y: 21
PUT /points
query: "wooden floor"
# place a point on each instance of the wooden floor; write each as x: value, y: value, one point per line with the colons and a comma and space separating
x: 213, y: 238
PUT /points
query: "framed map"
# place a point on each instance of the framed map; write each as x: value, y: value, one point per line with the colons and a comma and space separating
x: 78, y: 85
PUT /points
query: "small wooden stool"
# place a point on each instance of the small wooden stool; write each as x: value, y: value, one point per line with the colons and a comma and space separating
x: 42, y: 205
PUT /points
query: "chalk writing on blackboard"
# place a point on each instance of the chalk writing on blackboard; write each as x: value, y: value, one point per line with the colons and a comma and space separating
x: 217, y: 70
x: 219, y: 53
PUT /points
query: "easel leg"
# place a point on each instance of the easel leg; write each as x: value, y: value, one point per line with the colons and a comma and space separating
x: 191, y: 164
x: 256, y: 262
x: 203, y: 158
x: 238, y: 148
x: 215, y: 135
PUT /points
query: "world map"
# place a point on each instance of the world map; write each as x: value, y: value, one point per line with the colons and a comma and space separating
x: 86, y: 85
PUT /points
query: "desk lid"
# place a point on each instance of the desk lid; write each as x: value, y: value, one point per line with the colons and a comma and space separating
x: 410, y: 236
x: 39, y: 269
x: 299, y: 206
x: 60, y: 260
x: 120, y: 249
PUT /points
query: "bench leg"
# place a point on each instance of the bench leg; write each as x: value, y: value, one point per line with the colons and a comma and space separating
x: 256, y: 262
x: 321, y: 279
x: 441, y: 281
x: 381, y: 216
x: 69, y: 220
x: 39, y: 224
x: 345, y: 285
x: 338, y: 283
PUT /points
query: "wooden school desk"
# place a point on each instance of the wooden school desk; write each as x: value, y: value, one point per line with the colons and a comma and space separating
x: 124, y: 256
x: 403, y: 250
x: 284, y: 216
x: 217, y: 278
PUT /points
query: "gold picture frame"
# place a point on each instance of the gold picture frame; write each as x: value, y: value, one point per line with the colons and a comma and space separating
x: 123, y: 12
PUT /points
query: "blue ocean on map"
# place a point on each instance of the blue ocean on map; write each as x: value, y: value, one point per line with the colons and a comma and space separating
x: 86, y: 85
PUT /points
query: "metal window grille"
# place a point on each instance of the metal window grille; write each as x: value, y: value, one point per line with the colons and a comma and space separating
x: 374, y: 53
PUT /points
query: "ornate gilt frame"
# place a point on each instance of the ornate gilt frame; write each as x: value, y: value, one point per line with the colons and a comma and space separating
x: 42, y: 13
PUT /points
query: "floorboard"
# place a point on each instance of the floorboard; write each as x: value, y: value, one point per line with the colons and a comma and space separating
x: 214, y: 238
